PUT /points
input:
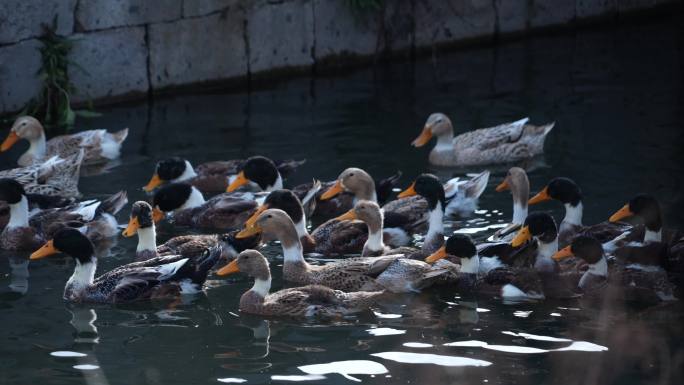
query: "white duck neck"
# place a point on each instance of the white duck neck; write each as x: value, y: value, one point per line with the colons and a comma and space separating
x: 83, y: 276
x: 519, y: 212
x: 301, y: 227
x: 374, y: 241
x: 470, y: 265
x: 293, y: 253
x: 599, y: 268
x: 195, y: 199
x: 545, y: 251
x: 573, y: 214
x: 187, y: 174
x: 19, y: 213
x: 147, y: 239
x: 445, y: 142
x: 262, y: 286
x: 435, y: 223
x: 653, y: 236
x: 277, y: 185
x: 37, y: 147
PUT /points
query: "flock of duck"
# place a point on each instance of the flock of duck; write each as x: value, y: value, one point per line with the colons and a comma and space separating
x: 382, y: 246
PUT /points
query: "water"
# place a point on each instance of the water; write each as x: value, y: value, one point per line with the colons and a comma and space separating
x: 616, y: 97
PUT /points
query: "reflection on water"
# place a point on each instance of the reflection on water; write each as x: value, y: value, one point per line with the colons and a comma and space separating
x: 616, y: 97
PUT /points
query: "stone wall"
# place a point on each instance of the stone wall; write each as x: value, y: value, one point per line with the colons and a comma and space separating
x: 127, y: 48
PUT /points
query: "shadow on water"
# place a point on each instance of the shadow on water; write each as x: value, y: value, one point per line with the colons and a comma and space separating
x: 615, y: 95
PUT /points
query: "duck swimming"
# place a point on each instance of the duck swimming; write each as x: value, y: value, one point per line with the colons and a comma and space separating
x: 306, y: 301
x: 160, y: 277
x: 352, y: 274
x: 26, y: 231
x: 141, y: 222
x: 99, y: 145
x: 508, y: 142
x: 210, y: 177
x: 518, y: 184
x: 54, y: 177
x: 258, y: 172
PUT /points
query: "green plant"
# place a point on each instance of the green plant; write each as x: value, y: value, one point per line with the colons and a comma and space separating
x: 53, y: 104
x: 365, y: 5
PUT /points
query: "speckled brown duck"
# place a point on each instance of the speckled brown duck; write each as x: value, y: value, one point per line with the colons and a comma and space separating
x: 141, y: 223
x: 505, y: 143
x: 306, y: 301
x: 99, y: 146
x: 352, y: 274
x: 54, y: 177
x: 214, y: 177
x: 160, y: 277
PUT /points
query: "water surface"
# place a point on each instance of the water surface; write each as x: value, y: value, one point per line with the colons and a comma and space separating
x: 615, y: 95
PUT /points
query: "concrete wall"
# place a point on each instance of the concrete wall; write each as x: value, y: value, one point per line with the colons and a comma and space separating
x: 127, y: 48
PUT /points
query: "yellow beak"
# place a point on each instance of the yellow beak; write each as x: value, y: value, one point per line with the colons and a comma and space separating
x: 348, y: 216
x: 157, y: 215
x: 423, y: 138
x: 621, y: 214
x: 437, y: 255
x: 503, y: 186
x: 252, y: 220
x: 333, y: 191
x: 523, y: 236
x: 230, y: 268
x: 248, y: 231
x: 9, y: 141
x: 45, y: 251
x: 241, y: 180
x: 562, y: 254
x: 409, y: 192
x: 542, y: 196
x: 132, y: 228
x: 154, y: 182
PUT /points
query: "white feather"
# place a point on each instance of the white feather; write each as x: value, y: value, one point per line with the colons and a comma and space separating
x: 19, y: 214
x: 167, y: 271
x: 188, y: 173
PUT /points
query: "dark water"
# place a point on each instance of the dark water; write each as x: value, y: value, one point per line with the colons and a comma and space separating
x: 616, y: 97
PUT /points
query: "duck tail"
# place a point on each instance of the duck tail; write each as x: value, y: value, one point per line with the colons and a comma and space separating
x: 308, y: 202
x: 477, y: 184
x: 120, y: 136
x: 114, y: 203
x: 384, y: 187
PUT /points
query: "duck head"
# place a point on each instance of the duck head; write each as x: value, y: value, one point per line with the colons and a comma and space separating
x: 173, y: 197
x: 24, y: 127
x: 429, y: 187
x: 646, y: 207
x: 540, y: 226
x: 367, y: 211
x: 70, y: 242
x: 561, y: 189
x: 461, y: 246
x: 590, y: 250
x: 250, y: 262
x: 355, y: 181
x: 272, y: 224
x: 258, y: 170
x: 141, y: 219
x: 438, y: 125
x: 170, y: 170
x: 519, y: 185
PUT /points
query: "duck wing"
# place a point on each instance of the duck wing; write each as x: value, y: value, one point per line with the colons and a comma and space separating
x: 410, y: 214
x: 335, y: 237
x: 225, y: 211
x: 384, y: 187
x: 492, y: 137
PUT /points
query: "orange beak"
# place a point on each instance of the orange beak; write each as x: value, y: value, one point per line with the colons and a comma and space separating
x: 9, y: 141
x: 423, y: 138
x: 503, y: 186
x: 45, y: 251
x: 523, y: 236
x: 157, y: 215
x: 132, y: 228
x: 621, y: 214
x: 240, y: 181
x: 348, y: 216
x: 153, y: 183
x: 248, y: 231
x: 230, y: 268
x: 333, y: 191
x: 252, y: 220
x: 437, y: 255
x: 562, y: 254
x: 542, y: 196
x: 409, y: 192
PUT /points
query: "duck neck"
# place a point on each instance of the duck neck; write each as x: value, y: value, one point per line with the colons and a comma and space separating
x: 194, y: 200
x: 599, y: 269
x: 374, y: 241
x: 188, y: 174
x: 83, y: 276
x: 545, y: 250
x: 470, y: 265
x: 445, y: 142
x: 300, y: 226
x: 519, y: 212
x: 653, y: 235
x: 277, y: 185
x: 435, y: 224
x: 293, y: 253
x: 147, y: 239
x: 573, y: 214
x: 366, y: 191
x: 19, y: 214
x: 262, y: 286
x: 37, y: 147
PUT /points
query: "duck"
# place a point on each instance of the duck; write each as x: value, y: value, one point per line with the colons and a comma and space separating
x: 505, y: 143
x: 209, y: 177
x: 160, y: 277
x: 333, y: 206
x: 56, y: 177
x: 632, y: 282
x: 259, y: 173
x: 566, y: 191
x: 351, y: 274
x: 187, y: 206
x: 141, y: 222
x: 420, y: 205
x: 461, y: 195
x: 510, y: 283
x: 26, y: 230
x: 99, y: 146
x: 518, y: 184
x: 307, y: 301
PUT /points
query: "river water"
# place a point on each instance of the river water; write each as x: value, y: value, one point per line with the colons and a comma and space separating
x: 616, y: 96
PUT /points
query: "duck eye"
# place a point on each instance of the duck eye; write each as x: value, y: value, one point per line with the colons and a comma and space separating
x: 269, y: 216
x: 352, y: 174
